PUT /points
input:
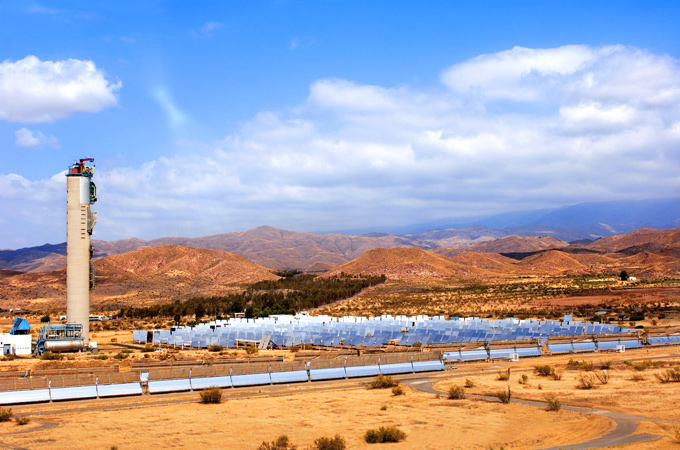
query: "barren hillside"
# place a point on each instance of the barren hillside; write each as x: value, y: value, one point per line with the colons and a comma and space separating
x: 405, y: 264
x: 139, y: 278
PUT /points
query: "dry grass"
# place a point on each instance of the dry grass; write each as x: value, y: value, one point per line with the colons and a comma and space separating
x: 585, y: 381
x: 504, y: 395
x: 383, y: 382
x: 211, y: 395
x: 456, y: 393
x: 553, y: 403
x: 384, y: 434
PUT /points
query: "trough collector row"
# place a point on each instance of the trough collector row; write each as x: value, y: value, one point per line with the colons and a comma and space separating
x: 188, y: 384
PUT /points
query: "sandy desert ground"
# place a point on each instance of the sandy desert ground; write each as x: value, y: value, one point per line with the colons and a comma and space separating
x: 305, y: 412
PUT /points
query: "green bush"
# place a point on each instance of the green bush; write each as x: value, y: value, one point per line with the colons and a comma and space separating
x: 504, y: 395
x: 45, y: 319
x: 215, y: 348
x: 51, y: 356
x: 22, y: 420
x: 524, y: 379
x: 553, y: 403
x: 456, y: 393
x: 122, y: 354
x: 211, y: 395
x: 103, y: 357
x: 326, y: 443
x: 281, y: 443
x: 5, y: 414
x: 383, y: 382
x: 543, y: 371
x: 384, y: 434
x: 148, y: 348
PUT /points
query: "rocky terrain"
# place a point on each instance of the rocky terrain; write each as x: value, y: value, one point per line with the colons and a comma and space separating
x: 172, y: 272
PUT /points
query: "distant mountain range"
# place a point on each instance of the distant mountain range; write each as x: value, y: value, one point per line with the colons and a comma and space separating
x: 162, y: 272
x: 281, y: 249
x: 582, y: 221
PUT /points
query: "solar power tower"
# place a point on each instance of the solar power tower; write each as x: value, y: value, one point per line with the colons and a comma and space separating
x: 81, y: 193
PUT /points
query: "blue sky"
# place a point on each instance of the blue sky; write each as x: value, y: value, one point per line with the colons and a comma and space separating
x: 221, y: 116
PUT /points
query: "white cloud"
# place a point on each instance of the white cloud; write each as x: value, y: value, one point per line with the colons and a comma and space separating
x: 517, y: 74
x: 593, y: 124
x: 33, y: 91
x: 30, y: 138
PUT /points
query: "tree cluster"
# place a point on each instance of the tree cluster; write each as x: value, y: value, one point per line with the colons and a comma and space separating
x: 284, y: 296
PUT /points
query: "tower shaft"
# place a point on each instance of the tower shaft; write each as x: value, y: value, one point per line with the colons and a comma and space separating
x: 79, y: 223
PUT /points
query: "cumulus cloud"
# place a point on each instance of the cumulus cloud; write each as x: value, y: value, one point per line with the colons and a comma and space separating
x: 29, y: 138
x: 593, y: 124
x: 33, y: 91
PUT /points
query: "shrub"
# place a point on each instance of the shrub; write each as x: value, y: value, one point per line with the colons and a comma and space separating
x: 587, y: 366
x: 540, y: 387
x: 456, y: 393
x: 281, y: 443
x: 215, y: 348
x: 675, y: 434
x: 383, y: 408
x: 147, y: 348
x: 384, y: 434
x: 8, y: 357
x: 103, y: 357
x: 326, y: 443
x: 22, y: 420
x: 45, y: 319
x: 604, y: 377
x: 606, y: 365
x: 543, y: 371
x: 585, y: 381
x: 122, y: 354
x: 397, y: 390
x: 669, y: 376
x: 504, y: 395
x: 51, y: 356
x: 556, y: 374
x: 573, y: 364
x: 5, y: 414
x: 553, y: 403
x: 523, y: 379
x: 251, y: 350
x: 469, y: 383
x: 211, y: 395
x: 383, y: 382
x: 637, y: 377
x: 504, y: 375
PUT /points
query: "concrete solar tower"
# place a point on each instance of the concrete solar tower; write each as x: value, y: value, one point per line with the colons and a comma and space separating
x: 81, y: 193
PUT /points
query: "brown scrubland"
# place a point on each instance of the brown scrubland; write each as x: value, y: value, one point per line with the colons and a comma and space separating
x: 509, y: 277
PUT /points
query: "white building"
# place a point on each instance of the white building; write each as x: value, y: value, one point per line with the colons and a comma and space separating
x: 15, y: 344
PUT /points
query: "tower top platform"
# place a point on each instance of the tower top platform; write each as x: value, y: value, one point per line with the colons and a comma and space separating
x: 80, y: 169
